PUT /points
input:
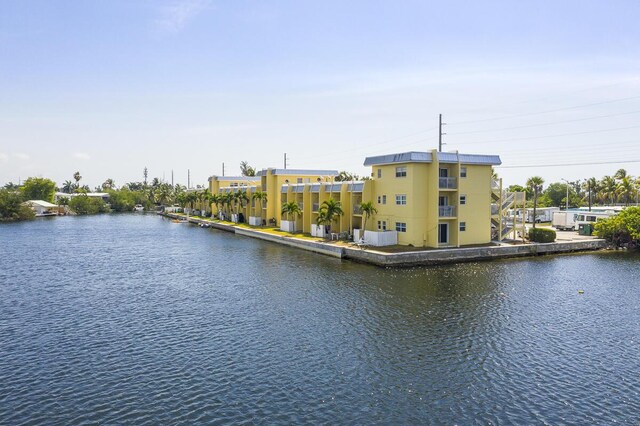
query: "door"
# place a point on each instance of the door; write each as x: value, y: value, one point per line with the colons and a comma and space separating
x: 443, y: 233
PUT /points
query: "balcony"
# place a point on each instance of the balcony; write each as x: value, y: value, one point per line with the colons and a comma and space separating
x: 447, y: 183
x: 494, y: 209
x: 301, y: 205
x: 315, y: 207
x: 446, y: 211
x: 356, y: 209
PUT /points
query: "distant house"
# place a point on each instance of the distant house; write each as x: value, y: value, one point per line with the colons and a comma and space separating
x: 103, y: 195
x: 42, y: 208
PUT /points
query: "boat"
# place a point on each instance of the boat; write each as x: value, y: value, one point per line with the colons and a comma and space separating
x: 138, y: 208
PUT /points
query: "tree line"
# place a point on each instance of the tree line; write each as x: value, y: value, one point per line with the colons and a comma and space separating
x: 617, y: 189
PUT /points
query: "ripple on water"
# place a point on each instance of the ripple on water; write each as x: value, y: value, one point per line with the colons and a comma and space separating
x: 133, y: 319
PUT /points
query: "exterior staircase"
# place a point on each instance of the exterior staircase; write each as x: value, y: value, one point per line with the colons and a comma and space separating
x: 503, y: 208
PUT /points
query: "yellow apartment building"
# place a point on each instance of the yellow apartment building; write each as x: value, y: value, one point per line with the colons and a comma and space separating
x: 423, y: 199
x: 433, y: 199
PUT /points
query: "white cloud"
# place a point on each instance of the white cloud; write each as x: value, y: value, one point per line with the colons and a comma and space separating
x: 178, y: 14
x: 81, y: 156
x: 21, y: 156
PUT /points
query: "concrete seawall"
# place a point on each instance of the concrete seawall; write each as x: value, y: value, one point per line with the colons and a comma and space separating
x: 412, y: 258
x: 474, y: 254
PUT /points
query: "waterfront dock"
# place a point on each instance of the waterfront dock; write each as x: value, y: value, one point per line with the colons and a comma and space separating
x: 413, y: 257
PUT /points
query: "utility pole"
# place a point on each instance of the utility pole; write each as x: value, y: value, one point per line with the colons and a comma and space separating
x: 440, y: 124
x: 589, y: 186
x: 188, y: 178
x: 223, y: 169
x: 171, y: 177
x: 567, y: 198
x: 285, y: 161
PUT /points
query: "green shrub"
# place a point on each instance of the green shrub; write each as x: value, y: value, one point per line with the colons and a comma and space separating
x: 81, y: 204
x: 542, y: 235
x: 11, y: 208
x: 622, y: 229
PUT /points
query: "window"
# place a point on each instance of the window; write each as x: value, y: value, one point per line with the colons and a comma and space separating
x: 379, y: 199
x: 379, y: 173
x: 463, y: 172
x: 463, y: 226
x: 463, y: 199
x: 401, y: 226
x: 382, y: 225
x: 299, y: 180
x: 401, y: 199
x: 382, y: 199
x: 401, y: 171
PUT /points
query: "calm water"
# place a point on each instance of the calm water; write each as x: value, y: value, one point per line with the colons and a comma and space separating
x: 134, y: 319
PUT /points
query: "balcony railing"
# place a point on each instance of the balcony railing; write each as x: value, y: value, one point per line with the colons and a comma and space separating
x: 448, y: 183
x: 447, y: 211
x: 494, y: 209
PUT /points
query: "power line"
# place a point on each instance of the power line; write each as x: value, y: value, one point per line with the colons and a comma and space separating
x: 548, y: 136
x: 564, y: 94
x: 544, y: 124
x: 523, y: 166
x: 546, y: 112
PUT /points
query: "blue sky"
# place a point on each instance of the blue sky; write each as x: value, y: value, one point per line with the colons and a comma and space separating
x: 109, y: 87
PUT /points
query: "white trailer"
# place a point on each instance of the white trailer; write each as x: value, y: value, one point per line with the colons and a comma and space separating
x: 565, y: 220
x: 543, y: 214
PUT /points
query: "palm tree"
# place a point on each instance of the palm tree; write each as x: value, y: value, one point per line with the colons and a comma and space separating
x: 261, y: 197
x: 367, y: 209
x: 191, y: 197
x: 227, y: 200
x: 203, y: 197
x: 241, y: 198
x: 330, y: 210
x: 608, y: 189
x: 246, y: 169
x: 213, y: 199
x: 620, y: 174
x: 77, y: 178
x: 68, y: 187
x: 163, y: 194
x: 291, y: 209
x: 625, y: 189
x: 535, y: 184
x: 109, y: 184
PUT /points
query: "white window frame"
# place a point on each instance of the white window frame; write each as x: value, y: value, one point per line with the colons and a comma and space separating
x: 401, y: 226
x: 401, y: 171
x: 463, y: 226
x: 463, y: 199
x: 379, y: 173
x: 382, y: 225
x: 401, y: 199
x: 463, y: 172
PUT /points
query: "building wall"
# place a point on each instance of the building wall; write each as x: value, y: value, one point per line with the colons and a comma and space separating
x: 476, y: 214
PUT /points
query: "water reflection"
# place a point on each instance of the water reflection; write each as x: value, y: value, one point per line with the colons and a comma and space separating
x: 135, y: 319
